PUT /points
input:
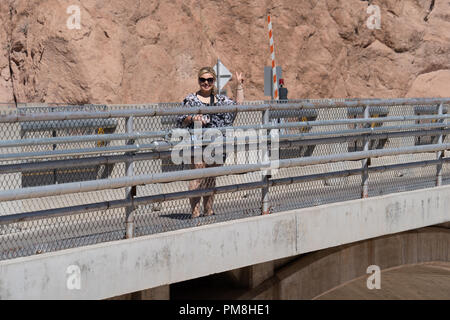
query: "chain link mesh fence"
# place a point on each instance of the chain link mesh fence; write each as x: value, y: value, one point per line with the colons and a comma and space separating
x: 68, y: 231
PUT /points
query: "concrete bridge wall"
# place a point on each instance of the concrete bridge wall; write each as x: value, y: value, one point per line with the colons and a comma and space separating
x: 115, y: 268
x: 315, y: 274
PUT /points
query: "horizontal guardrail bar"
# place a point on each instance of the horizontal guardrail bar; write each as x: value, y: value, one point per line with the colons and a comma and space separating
x: 78, y: 115
x: 101, y: 206
x: 68, y: 124
x: 352, y: 138
x: 336, y: 122
x: 116, y: 183
x: 159, y: 134
x: 81, y: 162
x: 82, y: 138
x: 72, y: 153
x: 164, y: 145
x: 172, y: 104
x: 275, y: 105
x: 286, y: 141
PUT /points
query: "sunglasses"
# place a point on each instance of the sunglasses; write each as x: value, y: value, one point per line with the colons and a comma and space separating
x: 210, y: 80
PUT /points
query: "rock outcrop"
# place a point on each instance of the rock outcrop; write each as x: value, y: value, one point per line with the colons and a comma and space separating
x: 128, y: 51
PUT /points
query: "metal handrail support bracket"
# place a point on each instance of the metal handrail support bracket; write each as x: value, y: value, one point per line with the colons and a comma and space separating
x: 439, y: 154
x: 265, y: 195
x: 130, y: 192
x: 365, y: 162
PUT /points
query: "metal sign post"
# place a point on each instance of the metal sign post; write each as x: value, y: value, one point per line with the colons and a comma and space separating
x: 268, y: 80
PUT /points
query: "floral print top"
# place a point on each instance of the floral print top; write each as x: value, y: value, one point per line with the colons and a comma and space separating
x: 216, y: 119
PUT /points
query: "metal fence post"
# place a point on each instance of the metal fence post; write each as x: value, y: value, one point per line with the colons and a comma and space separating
x: 130, y: 192
x: 365, y: 162
x: 265, y: 201
x: 439, y: 154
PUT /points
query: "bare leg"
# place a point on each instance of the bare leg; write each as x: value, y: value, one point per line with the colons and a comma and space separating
x: 195, y: 202
x: 194, y: 185
x: 208, y: 201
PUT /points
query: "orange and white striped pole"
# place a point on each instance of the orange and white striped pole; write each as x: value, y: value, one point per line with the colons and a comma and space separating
x: 272, y: 55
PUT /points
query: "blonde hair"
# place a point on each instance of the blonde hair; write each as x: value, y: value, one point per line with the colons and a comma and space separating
x: 210, y: 70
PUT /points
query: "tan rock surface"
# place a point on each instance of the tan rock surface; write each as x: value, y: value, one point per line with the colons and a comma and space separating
x: 435, y: 84
x: 6, y: 90
x: 131, y: 51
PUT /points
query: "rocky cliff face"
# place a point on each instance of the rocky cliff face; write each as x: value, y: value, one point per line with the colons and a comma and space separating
x: 130, y: 51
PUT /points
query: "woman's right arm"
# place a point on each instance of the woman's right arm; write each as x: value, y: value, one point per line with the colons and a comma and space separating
x: 187, y: 119
x: 184, y: 120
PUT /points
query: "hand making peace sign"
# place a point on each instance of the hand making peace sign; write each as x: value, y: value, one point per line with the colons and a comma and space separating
x: 239, y: 78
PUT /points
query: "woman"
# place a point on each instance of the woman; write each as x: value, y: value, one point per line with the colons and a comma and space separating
x: 205, y: 96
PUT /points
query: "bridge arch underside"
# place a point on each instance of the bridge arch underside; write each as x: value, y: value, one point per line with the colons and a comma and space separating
x: 326, y: 274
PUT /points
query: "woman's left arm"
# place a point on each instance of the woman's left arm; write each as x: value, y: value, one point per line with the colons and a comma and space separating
x: 227, y: 119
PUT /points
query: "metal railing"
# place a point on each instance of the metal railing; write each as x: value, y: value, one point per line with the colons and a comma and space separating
x: 100, y: 173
